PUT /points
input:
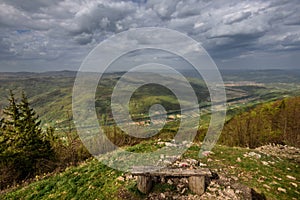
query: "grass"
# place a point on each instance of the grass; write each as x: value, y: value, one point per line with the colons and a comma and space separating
x: 93, y: 180
x: 252, y: 172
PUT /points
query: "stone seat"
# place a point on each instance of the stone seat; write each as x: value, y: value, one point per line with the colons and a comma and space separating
x: 196, y: 177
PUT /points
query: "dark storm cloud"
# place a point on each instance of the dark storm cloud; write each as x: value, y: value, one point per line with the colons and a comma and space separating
x: 44, y: 34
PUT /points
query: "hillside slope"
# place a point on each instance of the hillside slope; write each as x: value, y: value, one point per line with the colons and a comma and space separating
x: 50, y: 93
x: 274, y: 122
x: 238, y: 174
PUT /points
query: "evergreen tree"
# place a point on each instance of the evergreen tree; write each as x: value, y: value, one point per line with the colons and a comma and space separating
x: 3, y: 139
x: 23, y: 143
x: 10, y: 129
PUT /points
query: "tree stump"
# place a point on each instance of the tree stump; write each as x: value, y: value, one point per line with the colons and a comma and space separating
x: 197, y: 184
x: 144, y: 184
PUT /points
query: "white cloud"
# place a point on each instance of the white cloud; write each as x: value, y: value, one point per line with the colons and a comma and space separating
x: 163, y: 8
x: 103, y: 15
x: 236, y: 17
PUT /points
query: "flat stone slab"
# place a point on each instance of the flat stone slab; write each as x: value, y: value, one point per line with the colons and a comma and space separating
x: 196, y: 177
x: 178, y: 172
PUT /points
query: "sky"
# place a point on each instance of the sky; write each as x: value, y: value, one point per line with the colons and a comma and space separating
x: 56, y: 35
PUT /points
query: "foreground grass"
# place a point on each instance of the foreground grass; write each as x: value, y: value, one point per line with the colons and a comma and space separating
x: 93, y: 180
x: 265, y: 174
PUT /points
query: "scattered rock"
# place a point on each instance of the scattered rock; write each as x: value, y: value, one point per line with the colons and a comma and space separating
x: 265, y: 163
x: 184, y: 180
x: 170, y: 182
x: 290, y: 177
x: 183, y: 164
x: 183, y: 191
x: 206, y: 153
x: 238, y: 159
x: 121, y: 178
x: 169, y: 144
x: 180, y: 186
x: 266, y: 186
x: 167, y: 162
x: 281, y: 189
x: 212, y: 189
x: 162, y: 195
x: 294, y: 184
x: 252, y: 154
x: 186, y: 163
x: 202, y: 165
x: 271, y: 162
x: 193, y: 162
x: 274, y: 183
x: 237, y: 191
x: 128, y: 177
x: 231, y: 193
x: 280, y: 179
x: 282, y: 151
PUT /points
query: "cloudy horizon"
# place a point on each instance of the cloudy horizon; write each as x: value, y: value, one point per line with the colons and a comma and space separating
x: 57, y: 35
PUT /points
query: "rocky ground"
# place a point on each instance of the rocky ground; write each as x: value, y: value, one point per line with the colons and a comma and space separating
x: 281, y: 151
x: 223, y: 185
x: 218, y: 187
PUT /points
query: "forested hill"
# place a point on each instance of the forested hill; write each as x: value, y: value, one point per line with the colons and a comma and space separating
x: 275, y: 122
x: 50, y: 93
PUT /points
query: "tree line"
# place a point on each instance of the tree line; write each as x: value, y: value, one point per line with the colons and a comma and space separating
x: 276, y: 122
